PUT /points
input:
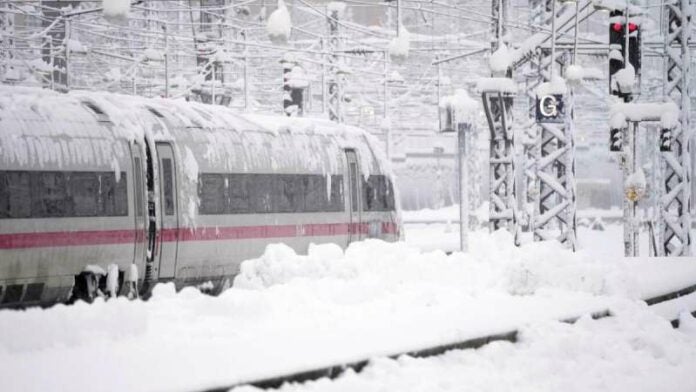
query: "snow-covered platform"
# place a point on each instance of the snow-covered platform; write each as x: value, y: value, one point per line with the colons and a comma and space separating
x: 289, y: 313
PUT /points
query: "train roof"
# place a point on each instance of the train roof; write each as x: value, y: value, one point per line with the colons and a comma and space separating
x: 36, y: 123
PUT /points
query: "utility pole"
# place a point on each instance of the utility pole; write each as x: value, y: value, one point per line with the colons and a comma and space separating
x: 335, y: 94
x: 166, y: 59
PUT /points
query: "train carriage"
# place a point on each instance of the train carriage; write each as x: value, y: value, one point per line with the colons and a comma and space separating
x: 95, y: 184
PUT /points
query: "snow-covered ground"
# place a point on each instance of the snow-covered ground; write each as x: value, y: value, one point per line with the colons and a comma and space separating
x: 288, y: 313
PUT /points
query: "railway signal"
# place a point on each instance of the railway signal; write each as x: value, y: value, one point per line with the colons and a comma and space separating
x: 665, y: 140
x: 615, y: 140
x: 619, y: 26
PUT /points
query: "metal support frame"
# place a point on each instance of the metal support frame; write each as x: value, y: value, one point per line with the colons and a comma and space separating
x: 335, y: 93
x: 674, y: 205
x: 502, y: 214
x: 554, y: 213
x: 555, y: 173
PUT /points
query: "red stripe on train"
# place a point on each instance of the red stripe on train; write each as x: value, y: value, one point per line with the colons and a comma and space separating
x: 115, y: 237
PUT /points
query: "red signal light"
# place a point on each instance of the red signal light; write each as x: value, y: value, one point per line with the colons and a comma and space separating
x: 619, y: 27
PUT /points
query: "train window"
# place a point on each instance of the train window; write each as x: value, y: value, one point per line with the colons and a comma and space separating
x: 268, y: 193
x: 212, y: 193
x: 239, y: 194
x: 261, y: 189
x: 336, y: 203
x: 288, y: 193
x: 137, y: 168
x: 378, y: 194
x: 15, y: 195
x: 114, y: 196
x: 84, y: 191
x: 49, y: 195
x: 53, y: 194
x: 315, y: 193
x: 168, y: 186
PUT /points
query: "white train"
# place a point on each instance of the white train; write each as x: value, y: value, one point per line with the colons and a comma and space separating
x: 167, y: 190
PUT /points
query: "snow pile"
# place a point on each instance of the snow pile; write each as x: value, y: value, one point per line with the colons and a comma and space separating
x: 399, y: 46
x: 288, y: 313
x: 503, y: 85
x: 116, y: 9
x: 297, y: 78
x: 574, y: 73
x: 687, y: 323
x: 152, y: 54
x: 577, y: 73
x: 621, y: 113
x: 279, y: 25
x: 495, y: 263
x: 464, y: 107
x: 557, y: 86
x: 500, y: 61
x: 624, y: 79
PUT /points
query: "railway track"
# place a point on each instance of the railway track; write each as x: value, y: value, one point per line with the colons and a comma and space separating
x: 335, y: 370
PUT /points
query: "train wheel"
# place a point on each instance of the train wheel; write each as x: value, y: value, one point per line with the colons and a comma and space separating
x: 86, y: 287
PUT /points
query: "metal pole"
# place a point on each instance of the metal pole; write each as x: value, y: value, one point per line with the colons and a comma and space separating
x: 575, y: 37
x: 553, y: 39
x: 398, y: 17
x: 462, y: 131
x: 67, y: 54
x: 627, y: 33
x: 166, y: 61
x: 246, y: 71
x: 53, y: 64
x: 385, y: 116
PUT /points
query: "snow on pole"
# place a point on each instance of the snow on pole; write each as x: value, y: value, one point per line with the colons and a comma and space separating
x: 115, y: 10
x: 500, y: 61
x: 279, y: 25
x: 400, y: 46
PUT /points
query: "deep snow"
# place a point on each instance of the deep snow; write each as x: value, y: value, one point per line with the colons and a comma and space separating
x: 289, y: 313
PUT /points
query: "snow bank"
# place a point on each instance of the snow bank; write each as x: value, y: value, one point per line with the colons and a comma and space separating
x: 279, y: 25
x: 288, y: 312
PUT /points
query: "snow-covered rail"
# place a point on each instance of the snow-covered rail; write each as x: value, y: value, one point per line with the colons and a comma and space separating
x: 335, y: 370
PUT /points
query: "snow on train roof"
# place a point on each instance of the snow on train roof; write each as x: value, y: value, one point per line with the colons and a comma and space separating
x: 133, y: 118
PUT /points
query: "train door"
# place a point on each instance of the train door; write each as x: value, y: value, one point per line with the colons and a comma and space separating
x: 139, y: 210
x: 354, y: 232
x: 169, y: 221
